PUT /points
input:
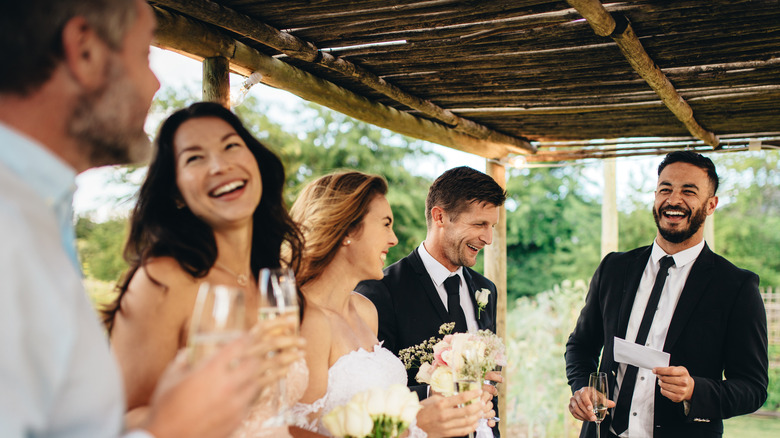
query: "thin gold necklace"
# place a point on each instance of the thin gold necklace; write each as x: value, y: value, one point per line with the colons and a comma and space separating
x: 241, y: 279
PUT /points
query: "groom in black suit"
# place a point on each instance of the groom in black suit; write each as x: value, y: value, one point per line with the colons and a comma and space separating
x: 677, y: 296
x: 435, y: 284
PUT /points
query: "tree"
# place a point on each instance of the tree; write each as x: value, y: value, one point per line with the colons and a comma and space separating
x: 553, y: 229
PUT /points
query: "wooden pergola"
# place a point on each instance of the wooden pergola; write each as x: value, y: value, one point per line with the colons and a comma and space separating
x: 535, y: 81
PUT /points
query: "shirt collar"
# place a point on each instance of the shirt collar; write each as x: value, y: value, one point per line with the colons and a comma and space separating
x: 682, y: 258
x: 43, y: 171
x: 436, y: 270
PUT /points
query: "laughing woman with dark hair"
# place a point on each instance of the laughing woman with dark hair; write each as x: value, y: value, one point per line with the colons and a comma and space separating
x: 210, y: 210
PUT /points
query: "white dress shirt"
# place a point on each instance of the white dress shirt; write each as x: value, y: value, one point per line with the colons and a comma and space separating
x: 641, y: 415
x: 438, y: 274
x: 58, y: 377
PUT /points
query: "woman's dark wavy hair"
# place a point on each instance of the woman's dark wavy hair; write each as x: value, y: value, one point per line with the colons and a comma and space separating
x: 158, y: 228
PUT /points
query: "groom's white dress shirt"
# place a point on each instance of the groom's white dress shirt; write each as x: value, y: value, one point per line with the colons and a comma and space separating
x: 58, y: 377
x: 438, y: 274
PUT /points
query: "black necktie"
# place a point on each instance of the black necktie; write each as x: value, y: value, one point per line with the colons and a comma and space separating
x: 452, y: 285
x: 620, y: 416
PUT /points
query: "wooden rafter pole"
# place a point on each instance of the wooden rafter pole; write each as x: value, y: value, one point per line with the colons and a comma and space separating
x: 495, y: 267
x: 216, y: 14
x: 195, y: 39
x: 623, y: 34
x: 216, y: 80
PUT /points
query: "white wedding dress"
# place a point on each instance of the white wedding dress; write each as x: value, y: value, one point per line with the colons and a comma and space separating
x: 355, y: 372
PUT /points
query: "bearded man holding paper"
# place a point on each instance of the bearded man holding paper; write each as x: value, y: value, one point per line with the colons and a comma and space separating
x: 673, y: 297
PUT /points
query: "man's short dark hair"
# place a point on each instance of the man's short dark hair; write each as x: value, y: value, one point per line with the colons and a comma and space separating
x: 31, y: 36
x: 695, y: 159
x: 458, y: 188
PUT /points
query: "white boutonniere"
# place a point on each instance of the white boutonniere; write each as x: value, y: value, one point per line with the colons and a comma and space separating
x: 482, y: 296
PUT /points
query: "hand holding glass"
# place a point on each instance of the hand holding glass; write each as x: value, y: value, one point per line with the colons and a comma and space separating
x: 598, y: 390
x: 278, y: 298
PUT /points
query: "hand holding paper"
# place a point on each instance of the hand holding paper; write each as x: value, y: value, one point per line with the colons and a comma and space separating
x: 639, y: 355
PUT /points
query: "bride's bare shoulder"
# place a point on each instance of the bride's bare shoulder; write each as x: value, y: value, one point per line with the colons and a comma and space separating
x: 366, y: 310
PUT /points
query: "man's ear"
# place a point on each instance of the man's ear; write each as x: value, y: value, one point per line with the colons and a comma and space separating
x: 437, y: 216
x: 711, y: 204
x: 85, y: 53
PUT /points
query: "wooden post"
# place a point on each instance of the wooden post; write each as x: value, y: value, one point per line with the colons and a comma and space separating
x: 216, y: 80
x: 609, y: 214
x: 495, y: 270
x: 709, y: 231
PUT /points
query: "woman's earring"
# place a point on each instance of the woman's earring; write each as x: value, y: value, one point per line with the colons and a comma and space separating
x: 347, y: 242
x: 180, y: 204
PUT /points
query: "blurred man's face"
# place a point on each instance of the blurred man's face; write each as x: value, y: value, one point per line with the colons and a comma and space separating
x: 109, y: 122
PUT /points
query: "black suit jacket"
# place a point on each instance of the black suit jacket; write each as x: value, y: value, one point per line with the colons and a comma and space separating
x: 411, y: 311
x: 718, y: 328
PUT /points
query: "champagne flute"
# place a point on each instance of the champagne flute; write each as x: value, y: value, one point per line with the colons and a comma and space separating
x: 278, y: 298
x: 597, y: 386
x: 218, y: 318
x: 469, y: 376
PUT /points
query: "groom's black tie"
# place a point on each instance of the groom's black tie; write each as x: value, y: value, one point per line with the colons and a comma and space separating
x: 452, y: 285
x: 620, y: 418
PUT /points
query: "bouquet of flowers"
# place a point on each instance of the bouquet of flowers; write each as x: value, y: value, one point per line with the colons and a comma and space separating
x: 472, y: 354
x: 376, y: 413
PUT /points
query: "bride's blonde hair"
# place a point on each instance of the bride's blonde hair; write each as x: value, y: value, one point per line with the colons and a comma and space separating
x: 327, y: 210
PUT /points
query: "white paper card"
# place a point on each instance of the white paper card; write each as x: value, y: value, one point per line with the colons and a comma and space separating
x: 639, y: 355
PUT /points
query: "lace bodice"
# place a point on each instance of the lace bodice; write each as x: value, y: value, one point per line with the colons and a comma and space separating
x: 295, y: 385
x: 353, y: 373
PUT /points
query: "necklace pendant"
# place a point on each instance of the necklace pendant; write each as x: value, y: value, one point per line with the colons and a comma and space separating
x: 242, y: 279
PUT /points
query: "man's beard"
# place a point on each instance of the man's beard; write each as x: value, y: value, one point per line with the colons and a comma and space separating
x: 109, y: 123
x: 697, y: 218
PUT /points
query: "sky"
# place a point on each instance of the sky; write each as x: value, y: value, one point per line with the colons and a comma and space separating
x: 96, y: 191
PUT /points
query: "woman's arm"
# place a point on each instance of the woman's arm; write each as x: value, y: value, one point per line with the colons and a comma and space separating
x: 151, y: 328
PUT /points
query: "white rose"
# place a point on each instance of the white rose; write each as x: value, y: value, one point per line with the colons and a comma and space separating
x: 396, y: 397
x: 424, y: 373
x: 441, y: 381
x: 334, y: 421
x: 482, y: 296
x: 357, y: 423
x: 373, y: 400
x: 411, y: 407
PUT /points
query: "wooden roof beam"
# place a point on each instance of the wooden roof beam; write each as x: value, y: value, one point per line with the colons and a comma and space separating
x: 218, y: 15
x: 195, y: 39
x: 623, y: 34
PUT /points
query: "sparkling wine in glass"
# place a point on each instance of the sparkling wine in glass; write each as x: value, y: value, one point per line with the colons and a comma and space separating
x: 278, y: 298
x: 219, y: 317
x: 597, y: 385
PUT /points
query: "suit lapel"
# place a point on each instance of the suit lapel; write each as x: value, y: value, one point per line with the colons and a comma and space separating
x: 634, y: 272
x: 697, y: 282
x: 429, y: 289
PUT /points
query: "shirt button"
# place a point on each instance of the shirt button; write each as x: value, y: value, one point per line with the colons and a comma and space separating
x: 642, y: 378
x: 634, y: 414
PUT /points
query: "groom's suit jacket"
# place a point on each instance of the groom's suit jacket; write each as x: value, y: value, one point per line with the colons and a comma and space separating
x: 411, y: 311
x: 718, y: 328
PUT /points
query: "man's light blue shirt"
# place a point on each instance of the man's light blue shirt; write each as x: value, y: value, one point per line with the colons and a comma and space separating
x: 48, y: 176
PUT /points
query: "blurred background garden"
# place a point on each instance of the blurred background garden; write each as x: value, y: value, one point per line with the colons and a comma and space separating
x: 553, y: 233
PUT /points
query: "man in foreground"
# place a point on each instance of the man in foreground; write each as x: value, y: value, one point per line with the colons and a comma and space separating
x: 75, y: 88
